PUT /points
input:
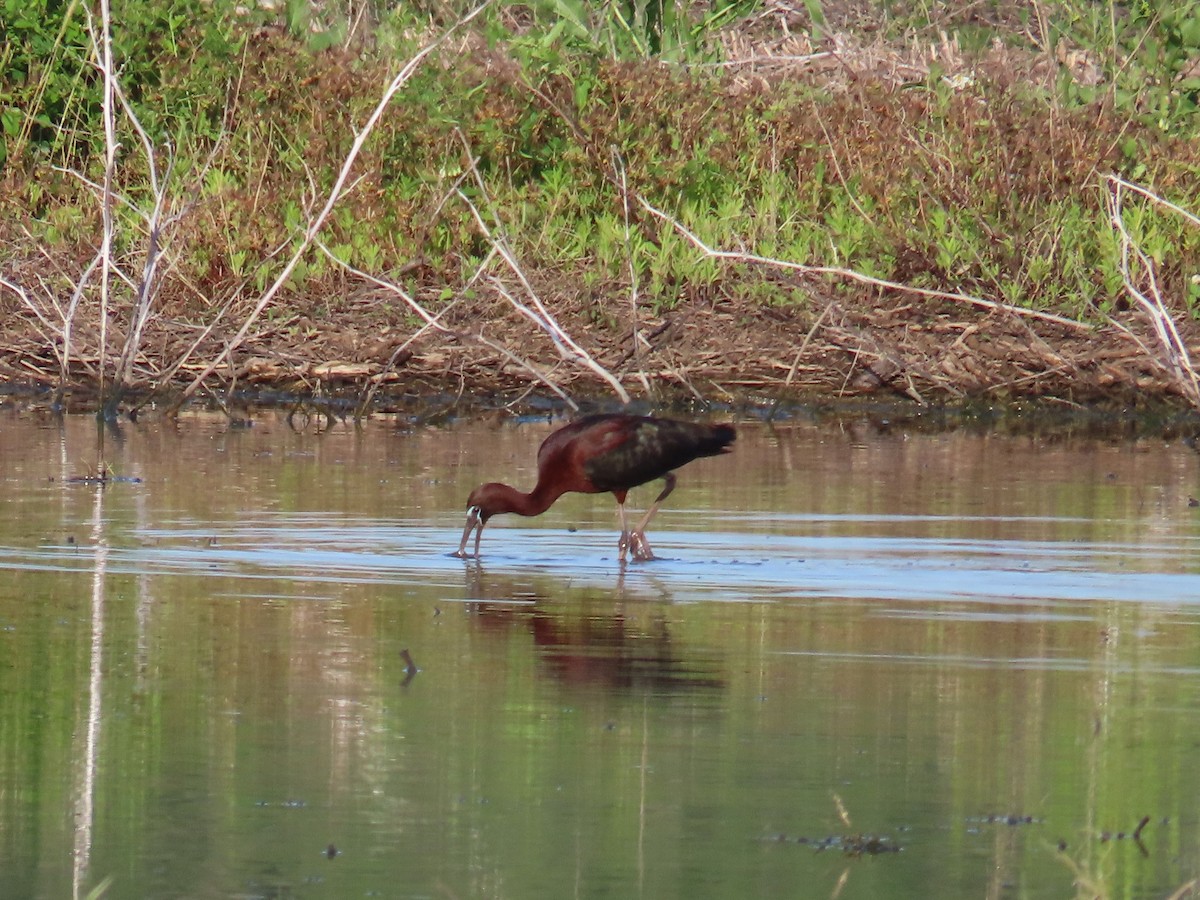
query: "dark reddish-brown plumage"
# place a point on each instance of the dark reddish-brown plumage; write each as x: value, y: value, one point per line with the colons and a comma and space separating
x: 595, y: 454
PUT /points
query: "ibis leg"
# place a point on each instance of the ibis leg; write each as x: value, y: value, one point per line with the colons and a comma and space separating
x: 474, y: 523
x: 623, y: 543
x: 637, y: 539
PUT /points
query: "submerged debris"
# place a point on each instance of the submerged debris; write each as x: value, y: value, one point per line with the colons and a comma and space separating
x: 1135, y: 835
x: 410, y: 667
x: 849, y: 844
x: 1137, y: 832
x: 103, y: 475
x: 1000, y: 819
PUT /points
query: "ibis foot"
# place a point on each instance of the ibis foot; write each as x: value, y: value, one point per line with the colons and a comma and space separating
x: 640, y: 547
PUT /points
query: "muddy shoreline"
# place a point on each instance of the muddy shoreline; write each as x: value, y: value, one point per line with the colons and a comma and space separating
x: 916, y: 361
x: 432, y: 407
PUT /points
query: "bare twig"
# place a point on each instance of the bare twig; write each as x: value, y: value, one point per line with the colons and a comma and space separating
x: 185, y: 357
x: 1141, y: 283
x: 102, y: 48
x: 567, y: 347
x: 35, y: 308
x: 622, y: 180
x: 69, y: 322
x: 851, y: 275
x: 156, y: 220
x: 1117, y: 183
x: 145, y: 290
x: 804, y: 344
x: 60, y: 333
x: 435, y: 322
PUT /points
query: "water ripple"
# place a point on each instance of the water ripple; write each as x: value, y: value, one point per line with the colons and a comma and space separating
x: 727, y: 566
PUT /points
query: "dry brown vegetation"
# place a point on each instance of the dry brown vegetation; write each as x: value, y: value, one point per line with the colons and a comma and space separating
x: 915, y: 139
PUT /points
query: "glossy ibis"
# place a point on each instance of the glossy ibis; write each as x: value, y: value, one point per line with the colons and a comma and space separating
x: 595, y: 454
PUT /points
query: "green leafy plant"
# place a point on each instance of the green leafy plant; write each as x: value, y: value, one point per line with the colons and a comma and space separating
x: 642, y: 28
x: 50, y: 95
x: 1149, y: 53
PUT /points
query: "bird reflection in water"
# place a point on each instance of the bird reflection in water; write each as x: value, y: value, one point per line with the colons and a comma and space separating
x: 590, y: 639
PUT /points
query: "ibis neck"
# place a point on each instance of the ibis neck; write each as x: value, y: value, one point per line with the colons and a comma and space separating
x: 534, y: 503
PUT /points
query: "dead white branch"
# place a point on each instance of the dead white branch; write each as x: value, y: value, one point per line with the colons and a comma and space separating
x: 1141, y: 283
x: 143, y: 289
x: 184, y: 358
x: 567, y: 347
x: 851, y: 275
x: 335, y: 194
x: 69, y: 321
x: 435, y: 322
x: 45, y: 328
x: 102, y: 47
x: 156, y: 222
x: 1118, y: 183
x: 618, y: 164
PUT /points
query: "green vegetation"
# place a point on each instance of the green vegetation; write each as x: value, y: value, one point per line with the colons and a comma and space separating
x: 976, y: 166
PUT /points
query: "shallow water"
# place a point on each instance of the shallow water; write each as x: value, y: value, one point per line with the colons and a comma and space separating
x: 972, y: 650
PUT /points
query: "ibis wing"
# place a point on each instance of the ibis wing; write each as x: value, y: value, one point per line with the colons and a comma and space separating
x: 651, y: 448
x: 590, y: 435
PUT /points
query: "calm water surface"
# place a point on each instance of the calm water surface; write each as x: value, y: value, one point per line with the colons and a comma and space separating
x: 974, y: 651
